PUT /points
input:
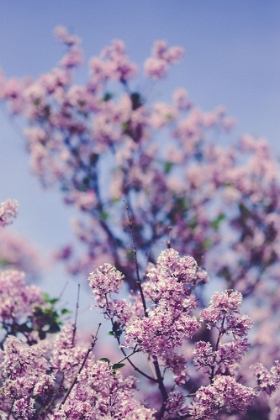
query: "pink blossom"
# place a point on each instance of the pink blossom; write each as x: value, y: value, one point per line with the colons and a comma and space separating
x: 155, y: 68
x: 223, y: 393
x: 72, y: 58
x: 17, y: 253
x: 104, y: 281
x: 177, y: 364
x: 180, y: 98
x: 8, y: 211
x: 62, y: 34
x: 159, y: 49
x: 12, y: 88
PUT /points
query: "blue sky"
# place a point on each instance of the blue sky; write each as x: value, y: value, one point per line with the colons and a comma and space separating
x: 232, y: 47
x: 232, y: 59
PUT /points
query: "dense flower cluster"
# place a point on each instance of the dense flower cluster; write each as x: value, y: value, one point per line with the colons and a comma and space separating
x: 8, y: 211
x: 166, y: 322
x: 33, y: 383
x: 223, y: 394
x: 104, y: 281
x: 267, y: 381
x: 16, y: 298
x: 157, y: 65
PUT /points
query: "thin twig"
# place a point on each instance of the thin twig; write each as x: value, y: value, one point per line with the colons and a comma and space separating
x: 63, y: 289
x: 168, y: 243
x: 221, y: 333
x: 137, y: 369
x: 138, y: 281
x: 127, y: 356
x: 76, y: 316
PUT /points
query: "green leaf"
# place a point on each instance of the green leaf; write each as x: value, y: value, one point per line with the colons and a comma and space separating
x: 46, y: 297
x: 38, y: 311
x: 118, y: 366
x: 53, y: 328
x: 130, y: 255
x: 104, y: 216
x: 107, y: 97
x: 192, y: 224
x: 215, y: 223
x: 53, y: 301
x: 245, y: 212
x: 125, y: 126
x: 65, y: 311
x: 206, y: 243
x: 104, y: 359
x: 42, y: 335
x: 224, y: 272
x: 180, y: 206
x: 167, y: 167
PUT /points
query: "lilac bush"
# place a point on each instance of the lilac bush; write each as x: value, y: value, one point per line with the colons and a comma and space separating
x: 155, y: 172
x: 56, y: 379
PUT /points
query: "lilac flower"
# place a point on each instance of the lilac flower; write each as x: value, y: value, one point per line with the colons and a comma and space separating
x: 267, y: 380
x: 224, y: 393
x: 104, y: 281
x: 8, y: 211
x: 176, y: 405
x: 177, y: 364
x: 204, y: 356
x: 162, y: 56
x: 17, y: 302
x: 99, y: 394
x: 226, y: 307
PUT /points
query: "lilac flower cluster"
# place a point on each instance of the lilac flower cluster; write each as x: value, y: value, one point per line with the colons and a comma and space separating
x: 34, y: 380
x: 166, y: 322
x: 61, y: 378
x: 8, y: 211
x: 157, y: 65
x: 267, y: 380
x: 16, y: 297
x: 224, y: 393
x: 168, y: 291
